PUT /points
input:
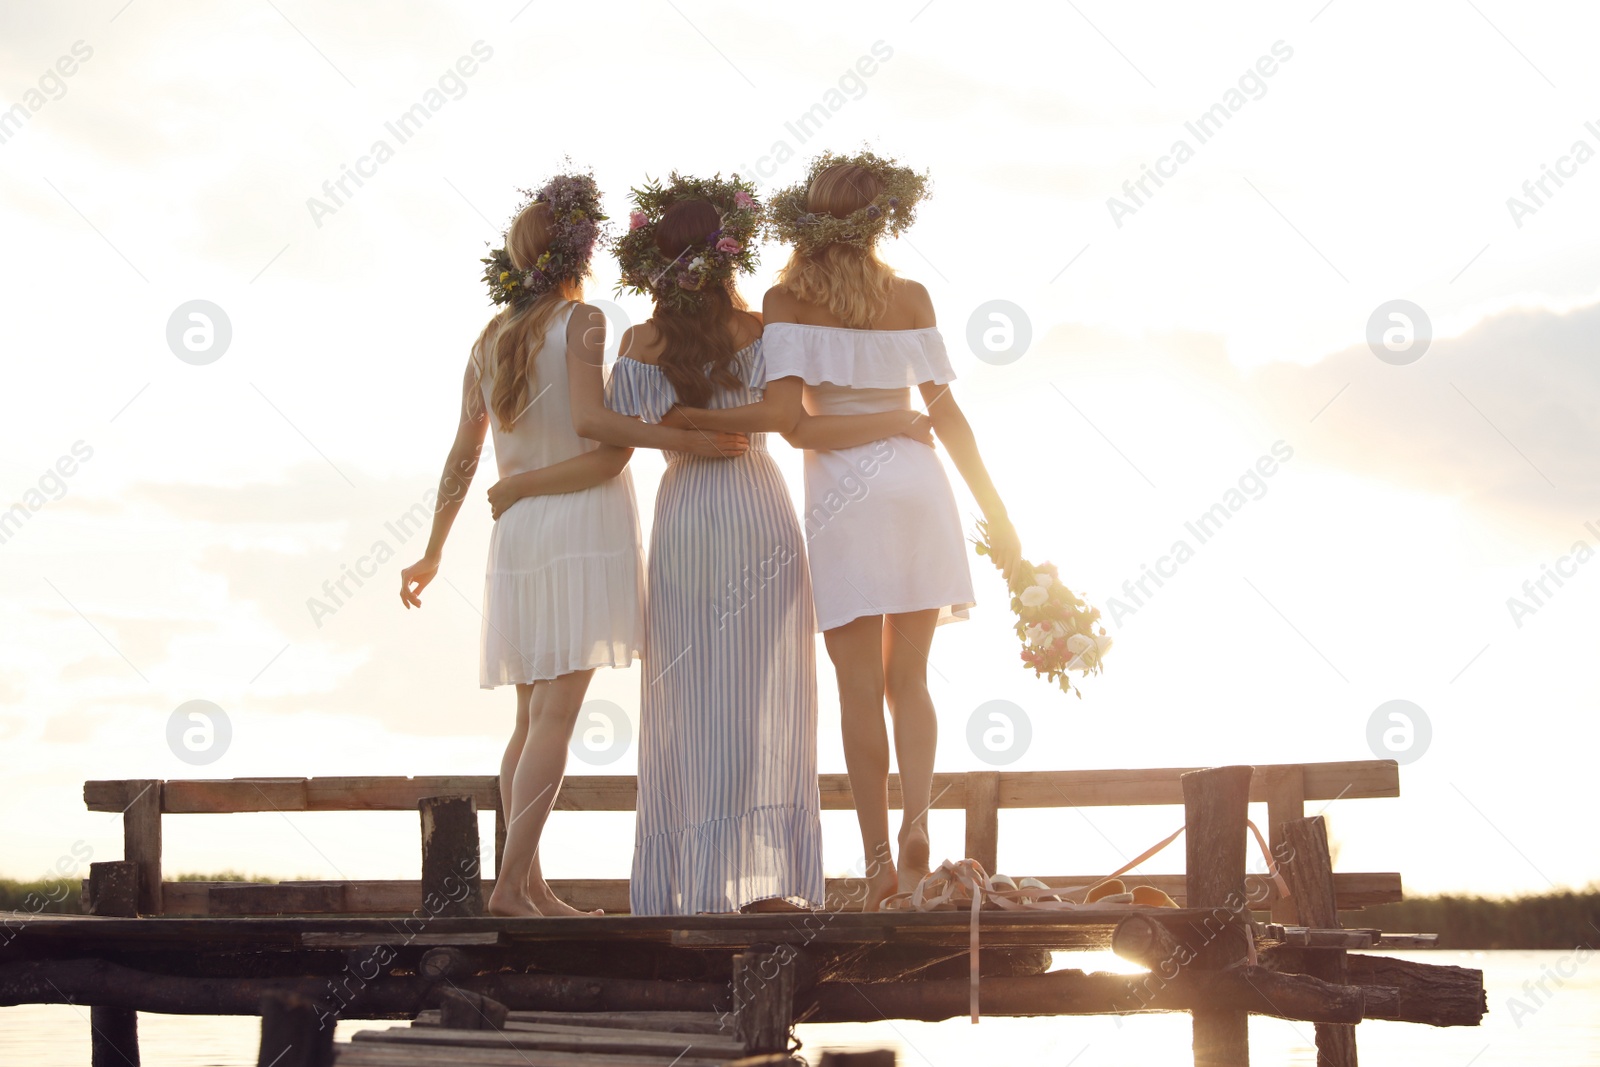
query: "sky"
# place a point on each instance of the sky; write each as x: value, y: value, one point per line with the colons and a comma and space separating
x: 1215, y: 339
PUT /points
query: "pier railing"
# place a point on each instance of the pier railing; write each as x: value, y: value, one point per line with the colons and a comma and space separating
x: 1285, y: 789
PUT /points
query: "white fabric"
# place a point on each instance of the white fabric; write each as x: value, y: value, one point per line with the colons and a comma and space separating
x: 864, y: 359
x: 564, y: 586
x: 882, y: 529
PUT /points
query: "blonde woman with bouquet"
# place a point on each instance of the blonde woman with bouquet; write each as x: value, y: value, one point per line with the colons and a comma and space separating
x: 888, y: 556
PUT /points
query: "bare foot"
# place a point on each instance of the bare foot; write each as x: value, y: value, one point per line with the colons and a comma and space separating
x: 509, y: 904
x: 880, y: 884
x: 913, y: 857
x: 548, y: 903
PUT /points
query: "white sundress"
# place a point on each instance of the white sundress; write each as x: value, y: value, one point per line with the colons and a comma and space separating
x: 882, y: 529
x: 564, y: 586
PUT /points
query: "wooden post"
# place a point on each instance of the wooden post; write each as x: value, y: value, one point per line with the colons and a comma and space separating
x: 1310, y: 874
x: 114, y: 1032
x: 141, y: 840
x: 292, y: 1033
x: 983, y: 818
x: 1216, y: 804
x: 763, y: 998
x: 1286, y: 801
x: 499, y: 840
x: 452, y: 882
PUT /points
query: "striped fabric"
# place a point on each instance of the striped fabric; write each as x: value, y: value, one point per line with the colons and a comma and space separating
x: 728, y: 804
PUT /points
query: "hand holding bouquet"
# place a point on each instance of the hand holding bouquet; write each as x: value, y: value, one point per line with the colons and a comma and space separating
x: 1060, y: 632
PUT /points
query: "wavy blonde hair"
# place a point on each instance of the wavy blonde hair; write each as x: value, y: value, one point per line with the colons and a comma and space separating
x: 851, y: 282
x: 508, y: 344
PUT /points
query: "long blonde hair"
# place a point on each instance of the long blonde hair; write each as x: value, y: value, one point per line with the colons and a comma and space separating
x: 508, y: 344
x: 850, y: 281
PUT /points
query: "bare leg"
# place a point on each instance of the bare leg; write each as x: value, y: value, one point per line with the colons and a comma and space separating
x: 508, y: 768
x: 536, y: 780
x: 856, y: 651
x: 906, y: 640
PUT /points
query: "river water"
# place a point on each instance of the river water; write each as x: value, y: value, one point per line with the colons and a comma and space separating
x: 1558, y: 1026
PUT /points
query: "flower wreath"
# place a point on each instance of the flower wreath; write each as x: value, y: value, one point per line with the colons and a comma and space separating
x: 730, y: 249
x: 575, y: 213
x: 791, y: 221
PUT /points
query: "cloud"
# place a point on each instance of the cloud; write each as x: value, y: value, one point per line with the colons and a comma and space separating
x: 1505, y: 415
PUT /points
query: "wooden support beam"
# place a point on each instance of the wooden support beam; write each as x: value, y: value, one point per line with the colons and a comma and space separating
x: 1151, y: 944
x: 141, y: 840
x: 763, y: 998
x: 114, y: 1032
x: 1435, y: 994
x: 983, y: 818
x: 1216, y: 805
x: 293, y: 1033
x: 1310, y: 873
x: 452, y: 881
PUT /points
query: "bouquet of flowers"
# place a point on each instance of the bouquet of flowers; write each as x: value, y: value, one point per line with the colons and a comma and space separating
x: 1060, y: 632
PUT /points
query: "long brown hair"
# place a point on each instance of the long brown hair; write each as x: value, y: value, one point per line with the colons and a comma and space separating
x: 698, y: 350
x: 851, y: 282
x: 512, y: 339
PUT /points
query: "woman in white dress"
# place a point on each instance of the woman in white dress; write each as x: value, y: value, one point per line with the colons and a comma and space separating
x: 888, y: 556
x: 563, y: 588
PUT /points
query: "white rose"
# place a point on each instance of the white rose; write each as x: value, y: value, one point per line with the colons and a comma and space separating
x: 1037, y: 635
x: 1034, y: 595
x: 1078, y: 644
x: 1044, y: 580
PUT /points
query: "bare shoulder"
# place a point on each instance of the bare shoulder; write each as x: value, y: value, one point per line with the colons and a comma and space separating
x: 912, y: 300
x: 747, y: 329
x: 641, y: 343
x: 780, y: 305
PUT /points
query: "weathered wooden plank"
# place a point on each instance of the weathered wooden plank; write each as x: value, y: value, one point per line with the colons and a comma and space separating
x: 1018, y: 789
x: 369, y: 1053
x: 661, y: 1021
x: 1354, y: 889
x: 590, y: 1040
x: 234, y: 795
x: 983, y: 818
x: 460, y: 1010
x: 286, y: 898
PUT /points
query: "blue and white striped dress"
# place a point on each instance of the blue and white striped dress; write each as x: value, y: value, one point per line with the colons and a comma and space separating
x: 728, y: 803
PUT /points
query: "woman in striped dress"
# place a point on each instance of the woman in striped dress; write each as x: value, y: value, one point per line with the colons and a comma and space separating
x: 728, y: 805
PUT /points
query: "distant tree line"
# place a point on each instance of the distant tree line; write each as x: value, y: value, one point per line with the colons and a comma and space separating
x: 1549, y: 920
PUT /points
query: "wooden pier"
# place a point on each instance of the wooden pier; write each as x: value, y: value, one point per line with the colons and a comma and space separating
x: 632, y: 991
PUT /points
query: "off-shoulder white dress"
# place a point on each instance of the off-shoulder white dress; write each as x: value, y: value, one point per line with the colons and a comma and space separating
x: 882, y: 529
x: 564, y: 588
